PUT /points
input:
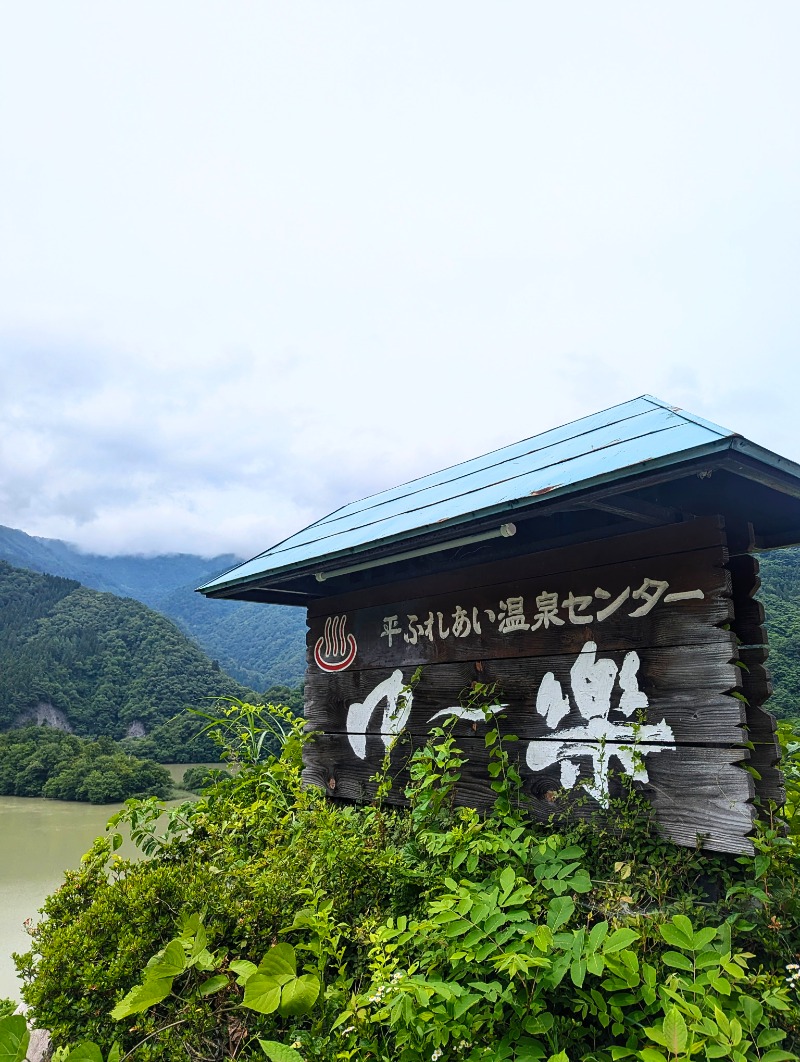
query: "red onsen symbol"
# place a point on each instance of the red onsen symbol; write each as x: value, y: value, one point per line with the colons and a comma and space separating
x: 335, y: 650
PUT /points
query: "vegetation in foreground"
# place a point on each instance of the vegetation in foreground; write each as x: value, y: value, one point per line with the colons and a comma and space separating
x: 268, y: 921
x: 38, y: 761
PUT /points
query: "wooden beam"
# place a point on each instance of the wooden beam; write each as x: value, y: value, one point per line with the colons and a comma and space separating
x: 636, y: 509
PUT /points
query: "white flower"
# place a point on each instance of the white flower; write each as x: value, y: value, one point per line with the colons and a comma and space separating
x: 436, y: 1054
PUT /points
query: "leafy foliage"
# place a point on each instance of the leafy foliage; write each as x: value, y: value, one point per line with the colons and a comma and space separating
x: 43, y: 762
x: 315, y: 931
x: 780, y: 595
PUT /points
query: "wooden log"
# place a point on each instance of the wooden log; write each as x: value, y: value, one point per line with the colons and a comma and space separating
x: 756, y: 681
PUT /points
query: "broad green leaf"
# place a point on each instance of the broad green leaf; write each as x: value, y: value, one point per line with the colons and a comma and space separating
x: 675, y: 937
x: 656, y: 1035
x: 703, y: 937
x: 777, y: 1055
x: 262, y: 994
x: 243, y: 969
x: 14, y: 1038
x: 706, y: 959
x: 300, y: 995
x: 279, y: 963
x: 277, y: 1052
x: 189, y: 925
x: 462, y: 1005
x: 736, y: 1032
x: 142, y: 997
x: 597, y: 935
x: 649, y: 1054
x: 169, y: 962
x: 683, y: 925
x: 577, y: 972
x: 205, y: 961
x: 619, y: 940
x: 543, y: 938
x: 540, y: 1023
x: 455, y: 929
x: 530, y: 1051
x: 753, y: 1012
x: 212, y: 985
x: 198, y: 944
x: 560, y: 1057
x: 720, y: 985
x: 507, y: 879
x: 770, y: 1036
x: 559, y: 911
x: 85, y: 1052
x: 674, y: 1030
x: 581, y: 882
x: 677, y: 960
x: 722, y: 1020
x: 115, y: 1054
x: 595, y: 964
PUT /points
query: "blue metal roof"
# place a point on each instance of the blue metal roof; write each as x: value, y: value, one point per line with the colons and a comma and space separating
x: 644, y: 433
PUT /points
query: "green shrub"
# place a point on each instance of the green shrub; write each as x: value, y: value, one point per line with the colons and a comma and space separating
x: 433, y: 931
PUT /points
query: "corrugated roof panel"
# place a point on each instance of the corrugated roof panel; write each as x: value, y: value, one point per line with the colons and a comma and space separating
x: 530, y: 446
x: 601, y: 447
x: 505, y: 470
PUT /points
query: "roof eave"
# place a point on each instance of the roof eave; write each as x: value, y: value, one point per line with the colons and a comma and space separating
x: 557, y: 491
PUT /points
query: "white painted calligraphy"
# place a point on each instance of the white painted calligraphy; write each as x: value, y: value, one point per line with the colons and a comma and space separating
x: 395, y: 716
x: 598, y: 738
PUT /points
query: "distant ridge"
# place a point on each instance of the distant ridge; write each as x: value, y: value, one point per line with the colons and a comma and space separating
x: 259, y: 645
x: 93, y: 664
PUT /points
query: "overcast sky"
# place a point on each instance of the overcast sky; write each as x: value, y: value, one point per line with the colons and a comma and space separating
x: 259, y: 259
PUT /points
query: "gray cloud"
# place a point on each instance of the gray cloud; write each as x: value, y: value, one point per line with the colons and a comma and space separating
x: 253, y: 267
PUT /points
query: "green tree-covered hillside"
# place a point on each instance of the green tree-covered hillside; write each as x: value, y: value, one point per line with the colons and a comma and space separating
x: 780, y: 595
x: 96, y: 663
x: 260, y: 645
x: 39, y: 761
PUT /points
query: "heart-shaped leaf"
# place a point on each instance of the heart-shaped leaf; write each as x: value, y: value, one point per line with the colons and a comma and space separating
x: 14, y: 1038
x: 142, y: 996
x: 261, y: 994
x: 85, y: 1052
x: 300, y: 995
x: 279, y: 963
x: 169, y: 962
x: 277, y: 1052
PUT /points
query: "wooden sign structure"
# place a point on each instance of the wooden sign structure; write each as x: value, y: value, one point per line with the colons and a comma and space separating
x: 615, y: 621
x: 612, y: 660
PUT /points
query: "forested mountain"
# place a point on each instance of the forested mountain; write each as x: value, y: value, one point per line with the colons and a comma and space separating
x: 780, y: 595
x: 260, y: 645
x: 97, y: 664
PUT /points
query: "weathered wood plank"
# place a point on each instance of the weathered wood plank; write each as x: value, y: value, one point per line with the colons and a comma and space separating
x: 695, y: 792
x: 639, y: 546
x: 686, y: 687
x: 666, y: 608
x: 644, y: 603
